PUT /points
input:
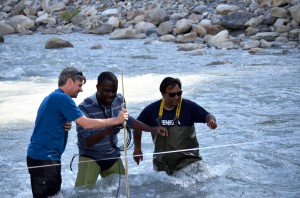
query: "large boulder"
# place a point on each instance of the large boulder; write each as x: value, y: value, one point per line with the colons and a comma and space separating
x: 200, y: 9
x: 295, y: 12
x: 294, y: 35
x: 54, y: 43
x: 114, y: 21
x: 268, y: 36
x: 183, y: 26
x: 226, y: 9
x: 17, y: 9
x: 278, y: 12
x: 55, y: 7
x: 235, y: 20
x: 45, y: 19
x: 156, y: 16
x: 127, y: 33
x: 254, y: 22
x: 110, y: 12
x: 77, y: 19
x: 278, y: 3
x: 220, y: 37
x: 6, y: 28
x: 186, y: 38
x: 165, y: 28
x: 167, y: 38
x: 143, y: 26
x: 178, y: 16
x: 103, y: 29
x: 200, y: 30
x: 22, y: 20
x: 190, y: 46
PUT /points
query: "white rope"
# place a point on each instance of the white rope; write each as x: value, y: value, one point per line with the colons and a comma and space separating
x: 158, y: 153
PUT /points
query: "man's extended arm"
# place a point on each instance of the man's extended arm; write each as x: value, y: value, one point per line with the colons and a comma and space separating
x: 88, y: 123
x: 137, y: 153
x: 137, y: 135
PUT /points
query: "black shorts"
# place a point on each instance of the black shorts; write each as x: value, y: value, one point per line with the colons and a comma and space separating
x: 45, y: 176
x: 104, y: 164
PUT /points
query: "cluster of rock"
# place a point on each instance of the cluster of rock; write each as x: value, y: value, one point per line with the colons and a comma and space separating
x: 195, y: 24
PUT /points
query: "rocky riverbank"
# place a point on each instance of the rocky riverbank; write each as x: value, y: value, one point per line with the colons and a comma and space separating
x: 224, y: 24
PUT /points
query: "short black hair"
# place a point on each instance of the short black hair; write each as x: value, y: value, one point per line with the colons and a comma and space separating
x: 107, y: 75
x: 169, y: 81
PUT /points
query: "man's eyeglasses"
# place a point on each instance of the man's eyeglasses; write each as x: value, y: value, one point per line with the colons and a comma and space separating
x: 172, y: 95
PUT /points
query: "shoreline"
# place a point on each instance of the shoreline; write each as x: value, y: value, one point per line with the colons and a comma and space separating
x: 193, y: 25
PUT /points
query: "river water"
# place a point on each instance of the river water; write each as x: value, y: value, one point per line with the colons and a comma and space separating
x: 254, y: 152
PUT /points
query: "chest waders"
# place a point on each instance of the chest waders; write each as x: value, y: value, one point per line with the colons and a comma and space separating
x: 179, y: 138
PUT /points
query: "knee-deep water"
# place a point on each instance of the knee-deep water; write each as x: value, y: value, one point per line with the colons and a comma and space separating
x: 254, y: 152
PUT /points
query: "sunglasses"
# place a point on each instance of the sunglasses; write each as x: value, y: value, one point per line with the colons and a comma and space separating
x: 79, y: 73
x: 172, y: 95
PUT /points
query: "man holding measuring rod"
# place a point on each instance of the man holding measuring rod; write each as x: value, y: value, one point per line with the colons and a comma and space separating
x: 98, y: 150
x: 50, y: 133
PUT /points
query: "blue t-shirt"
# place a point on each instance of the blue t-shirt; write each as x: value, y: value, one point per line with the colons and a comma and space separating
x: 49, y: 138
x: 190, y: 113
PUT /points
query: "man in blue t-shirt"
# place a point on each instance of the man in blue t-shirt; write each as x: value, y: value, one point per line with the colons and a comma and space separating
x: 49, y: 137
x: 178, y: 115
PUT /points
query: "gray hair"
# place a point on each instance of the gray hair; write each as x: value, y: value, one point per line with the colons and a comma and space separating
x: 70, y: 72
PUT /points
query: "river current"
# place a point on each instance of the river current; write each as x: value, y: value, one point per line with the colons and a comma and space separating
x: 254, y: 152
